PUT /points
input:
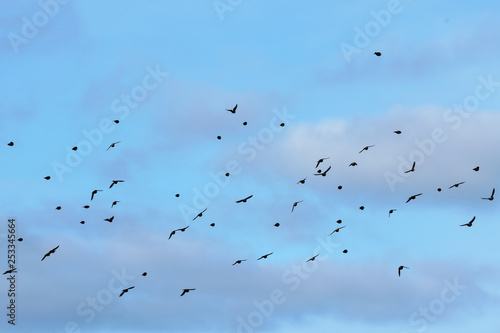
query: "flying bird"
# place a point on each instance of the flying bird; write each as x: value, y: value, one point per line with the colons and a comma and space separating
x: 476, y: 168
x: 302, y: 181
x: 312, y: 259
x: 321, y: 160
x: 114, y: 203
x: 181, y: 229
x: 323, y: 173
x: 468, y: 224
x: 366, y: 148
x: 94, y: 192
x: 200, y: 214
x: 114, y: 182
x: 86, y: 206
x: 413, y: 197
x: 51, y: 251
x: 184, y: 291
x: 244, y: 200
x: 392, y: 211
x: 353, y: 164
x: 110, y: 219
x: 456, y: 185
x: 113, y: 145
x: 10, y: 144
x: 233, y: 110
x: 265, y: 256
x: 295, y: 204
x: 46, y: 178
x: 126, y: 290
x: 397, y: 132
x: 336, y: 230
x: 401, y: 268
x: 378, y: 54
x: 491, y: 197
x: 238, y: 261
x: 10, y: 271
x: 412, y: 168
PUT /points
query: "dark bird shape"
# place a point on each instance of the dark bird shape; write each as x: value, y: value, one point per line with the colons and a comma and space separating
x: 397, y: 132
x: 323, y: 173
x: 321, y: 160
x: 181, y: 229
x: 114, y: 203
x: 116, y: 121
x: 392, y: 211
x: 361, y: 207
x: 401, y: 268
x: 113, y: 145
x: 303, y: 181
x: 233, y: 110
x: 413, y: 197
x: 491, y: 197
x: 114, y: 182
x: 468, y: 224
x: 353, y: 164
x: 20, y: 239
x: 75, y: 148
x: 86, y: 206
x: 94, y: 192
x: 378, y: 54
x: 412, y: 168
x: 265, y: 256
x: 312, y: 259
x: 345, y: 251
x: 244, y: 200
x: 276, y: 225
x: 200, y: 214
x: 50, y: 252
x: 10, y: 144
x: 10, y: 271
x: 145, y: 273
x: 58, y: 208
x: 46, y: 178
x: 110, y: 219
x: 295, y: 204
x: 336, y: 230
x: 476, y: 168
x: 82, y: 222
x: 212, y: 224
x: 456, y: 185
x: 339, y: 221
x: 184, y: 291
x: 126, y: 290
x: 366, y: 148
x: 238, y: 261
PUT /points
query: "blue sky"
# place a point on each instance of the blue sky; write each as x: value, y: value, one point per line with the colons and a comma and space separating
x: 167, y: 70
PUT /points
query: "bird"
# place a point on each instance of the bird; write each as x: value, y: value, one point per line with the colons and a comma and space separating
x: 397, y: 132
x: 336, y: 230
x: 75, y: 148
x: 476, y: 168
x: 339, y: 221
x: 212, y: 224
x: 10, y: 271
x: 361, y: 207
x: 378, y: 54
x: 392, y: 211
x: 86, y: 206
x: 312, y: 259
x: 412, y: 168
x: 456, y: 185
x: 126, y: 290
x: 276, y: 225
x: 345, y: 251
x: 20, y: 239
x: 468, y: 224
x: 10, y: 144
x: 114, y: 182
x: 491, y: 197
x: 353, y: 164
x: 295, y: 204
x: 265, y: 256
x: 233, y: 110
x: 186, y: 291
x: 200, y: 214
x: 238, y: 261
x: 116, y: 121
x: 58, y: 208
x: 46, y: 178
x: 321, y: 160
x: 145, y: 273
x: 94, y: 192
x: 302, y: 181
x: 110, y: 219
x: 323, y: 173
x: 51, y: 251
x: 113, y: 145
x: 244, y: 200
x: 413, y: 197
x: 365, y: 148
x: 400, y: 268
x: 114, y: 203
x: 181, y: 229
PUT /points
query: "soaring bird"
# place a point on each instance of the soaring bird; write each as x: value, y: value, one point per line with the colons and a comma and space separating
x: 200, y: 214
x: 244, y: 200
x: 456, y: 185
x: 233, y: 110
x: 10, y: 271
x: 51, y: 251
x: 378, y: 54
x: 468, y: 224
x: 94, y: 192
x: 353, y: 164
x: 321, y: 160
x: 491, y: 197
x: 476, y: 168
x: 412, y: 168
x: 413, y: 197
x: 114, y: 203
x: 324, y: 172
x: 126, y: 290
x: 114, y: 182
x: 110, y: 219
x: 86, y: 206
x: 181, y: 229
x: 113, y: 145
x: 295, y: 204
x: 238, y: 261
x: 366, y: 148
x: 312, y: 259
x: 392, y: 211
x: 400, y: 268
x: 265, y: 256
x: 46, y: 178
x: 336, y: 230
x: 397, y: 132
x: 10, y: 144
x: 302, y: 181
x: 186, y: 291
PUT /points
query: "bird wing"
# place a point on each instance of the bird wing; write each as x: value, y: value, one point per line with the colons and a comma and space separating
x: 123, y: 292
x: 472, y: 220
x: 113, y: 183
x: 327, y: 169
x: 240, y: 201
x: 493, y: 192
x: 184, y: 291
x: 249, y: 197
x: 171, y: 234
x: 92, y: 196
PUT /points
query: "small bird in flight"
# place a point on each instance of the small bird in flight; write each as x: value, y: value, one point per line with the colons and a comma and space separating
x: 181, y: 229
x: 94, y: 192
x: 353, y: 164
x: 295, y: 204
x: 46, y: 178
x: 86, y: 206
x: 378, y: 54
x: 113, y: 145
x: 491, y: 197
x: 302, y: 181
x: 413, y: 197
x: 323, y: 173
x: 244, y: 200
x: 312, y: 259
x: 238, y: 261
x: 114, y: 182
x: 366, y: 148
x: 321, y: 160
x: 51, y: 251
x: 265, y: 256
x: 200, y: 214
x: 126, y: 290
x: 233, y: 110
x: 397, y: 132
x: 476, y: 168
x: 336, y: 230
x: 114, y: 203
x: 468, y: 224
x: 392, y: 211
x: 184, y: 291
x: 110, y: 219
x: 412, y: 168
x: 456, y: 185
x: 401, y: 268
x: 10, y: 144
x: 10, y: 271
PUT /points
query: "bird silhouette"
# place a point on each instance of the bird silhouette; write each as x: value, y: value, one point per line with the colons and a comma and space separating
x: 145, y: 273
x: 50, y: 252
x: 302, y: 181
x: 114, y: 203
x: 94, y: 192
x: 46, y: 178
x: 312, y: 259
x: 476, y: 168
x: 265, y: 256
x: 323, y: 173
x: 491, y: 197
x: 10, y: 271
x: 413, y: 197
x: 238, y: 261
x: 397, y: 132
x: 392, y: 211
x: 114, y: 182
x: 75, y: 148
x: 10, y: 144
x: 86, y: 206
x: 200, y: 214
x: 456, y: 185
x: 412, y: 168
x: 244, y: 200
x: 184, y: 291
x: 233, y: 110
x: 401, y: 268
x: 378, y: 54
x: 295, y: 204
x: 58, y: 208
x: 468, y: 224
x: 113, y: 145
x: 336, y: 230
x: 353, y: 164
x: 126, y: 290
x: 110, y: 219
x: 181, y: 229
x: 366, y: 148
x: 276, y: 225
x: 321, y: 160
